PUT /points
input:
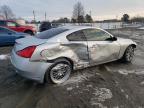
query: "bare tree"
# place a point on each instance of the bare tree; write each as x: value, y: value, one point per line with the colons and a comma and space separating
x: 6, y: 12
x: 78, y: 12
x: 125, y: 18
x: 88, y: 18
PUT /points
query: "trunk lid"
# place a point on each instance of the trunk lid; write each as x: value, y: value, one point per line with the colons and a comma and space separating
x: 28, y: 41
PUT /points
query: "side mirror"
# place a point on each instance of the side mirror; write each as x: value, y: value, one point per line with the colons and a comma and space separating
x: 114, y: 38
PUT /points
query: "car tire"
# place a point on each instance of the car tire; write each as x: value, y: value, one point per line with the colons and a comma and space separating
x: 56, y: 73
x: 29, y: 32
x: 128, y: 55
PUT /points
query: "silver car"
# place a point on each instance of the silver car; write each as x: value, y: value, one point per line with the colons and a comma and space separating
x: 52, y: 55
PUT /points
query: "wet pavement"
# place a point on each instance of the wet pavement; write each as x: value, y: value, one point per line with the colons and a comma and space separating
x: 111, y: 85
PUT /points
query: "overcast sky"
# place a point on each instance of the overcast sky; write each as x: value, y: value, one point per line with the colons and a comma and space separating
x: 101, y: 9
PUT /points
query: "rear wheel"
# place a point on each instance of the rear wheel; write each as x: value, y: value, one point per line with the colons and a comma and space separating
x: 129, y: 54
x: 59, y: 72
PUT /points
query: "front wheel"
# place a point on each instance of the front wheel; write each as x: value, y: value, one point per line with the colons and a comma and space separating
x: 128, y: 55
x: 59, y: 72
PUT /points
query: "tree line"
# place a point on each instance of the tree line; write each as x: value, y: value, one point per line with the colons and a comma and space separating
x: 80, y: 19
x: 126, y: 19
x: 78, y: 16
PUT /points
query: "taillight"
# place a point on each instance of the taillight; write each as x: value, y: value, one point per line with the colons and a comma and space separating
x: 26, y: 52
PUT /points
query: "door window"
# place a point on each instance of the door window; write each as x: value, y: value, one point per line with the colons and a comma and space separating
x: 11, y: 24
x: 96, y: 35
x: 76, y: 36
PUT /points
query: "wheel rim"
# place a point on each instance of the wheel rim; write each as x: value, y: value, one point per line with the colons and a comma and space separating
x: 130, y: 53
x: 60, y: 73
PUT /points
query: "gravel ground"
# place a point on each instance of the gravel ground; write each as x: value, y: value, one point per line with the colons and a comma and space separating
x: 111, y: 85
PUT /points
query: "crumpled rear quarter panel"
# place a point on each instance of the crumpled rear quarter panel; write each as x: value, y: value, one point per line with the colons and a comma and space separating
x: 77, y: 52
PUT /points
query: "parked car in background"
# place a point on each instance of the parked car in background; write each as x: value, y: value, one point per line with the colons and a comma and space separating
x: 17, y: 27
x: 8, y: 37
x: 53, y: 54
x: 45, y: 26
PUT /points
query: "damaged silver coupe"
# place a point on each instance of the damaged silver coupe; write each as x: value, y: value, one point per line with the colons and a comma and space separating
x: 52, y: 55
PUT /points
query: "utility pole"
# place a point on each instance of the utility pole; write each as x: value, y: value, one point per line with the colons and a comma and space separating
x: 45, y: 16
x: 34, y: 15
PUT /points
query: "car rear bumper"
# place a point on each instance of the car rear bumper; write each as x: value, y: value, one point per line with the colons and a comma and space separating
x: 28, y: 69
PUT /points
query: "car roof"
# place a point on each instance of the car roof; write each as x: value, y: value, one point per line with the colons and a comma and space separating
x: 76, y: 27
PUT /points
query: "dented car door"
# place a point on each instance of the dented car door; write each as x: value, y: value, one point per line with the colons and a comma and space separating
x: 78, y: 45
x: 101, y: 46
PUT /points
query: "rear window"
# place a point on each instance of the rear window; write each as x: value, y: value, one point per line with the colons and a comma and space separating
x: 50, y: 33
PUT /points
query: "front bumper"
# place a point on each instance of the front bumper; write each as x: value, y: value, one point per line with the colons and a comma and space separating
x: 28, y: 69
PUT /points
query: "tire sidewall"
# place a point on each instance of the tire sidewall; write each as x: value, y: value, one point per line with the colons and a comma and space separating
x: 125, y: 58
x: 47, y: 77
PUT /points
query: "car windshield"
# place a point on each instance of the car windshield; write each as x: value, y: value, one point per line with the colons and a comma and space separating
x: 50, y: 33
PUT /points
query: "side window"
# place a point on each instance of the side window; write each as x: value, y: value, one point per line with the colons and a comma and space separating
x: 11, y: 24
x: 96, y: 35
x: 76, y: 36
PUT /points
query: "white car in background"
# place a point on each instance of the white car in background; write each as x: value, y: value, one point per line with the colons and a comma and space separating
x: 53, y: 54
